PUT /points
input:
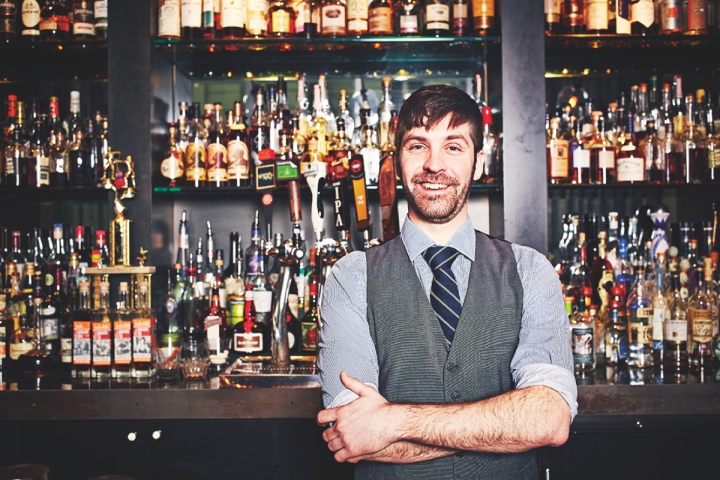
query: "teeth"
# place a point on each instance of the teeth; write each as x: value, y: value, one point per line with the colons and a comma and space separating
x: 434, y: 186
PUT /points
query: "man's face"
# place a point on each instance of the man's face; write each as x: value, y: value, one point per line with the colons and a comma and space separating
x: 437, y: 169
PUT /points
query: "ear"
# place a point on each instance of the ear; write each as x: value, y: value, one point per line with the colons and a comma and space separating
x: 479, y: 165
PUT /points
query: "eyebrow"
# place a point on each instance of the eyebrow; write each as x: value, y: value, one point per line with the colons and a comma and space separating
x: 449, y: 137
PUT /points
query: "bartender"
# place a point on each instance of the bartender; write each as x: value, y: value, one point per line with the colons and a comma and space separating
x: 444, y: 351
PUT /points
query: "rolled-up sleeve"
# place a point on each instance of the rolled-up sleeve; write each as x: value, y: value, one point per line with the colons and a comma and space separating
x: 345, y: 341
x: 543, y: 356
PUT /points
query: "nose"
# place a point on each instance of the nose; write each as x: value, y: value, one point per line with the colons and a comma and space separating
x: 434, y: 162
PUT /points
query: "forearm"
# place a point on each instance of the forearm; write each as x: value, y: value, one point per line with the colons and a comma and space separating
x: 406, y: 452
x: 516, y: 421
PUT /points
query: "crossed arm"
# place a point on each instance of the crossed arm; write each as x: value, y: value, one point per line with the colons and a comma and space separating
x: 371, y: 428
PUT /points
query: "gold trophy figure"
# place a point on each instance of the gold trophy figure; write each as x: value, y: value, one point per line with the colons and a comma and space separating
x: 119, y: 177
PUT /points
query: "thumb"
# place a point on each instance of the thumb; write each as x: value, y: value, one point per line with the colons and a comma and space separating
x: 356, y: 385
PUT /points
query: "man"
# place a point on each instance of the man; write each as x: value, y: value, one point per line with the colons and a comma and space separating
x: 444, y: 352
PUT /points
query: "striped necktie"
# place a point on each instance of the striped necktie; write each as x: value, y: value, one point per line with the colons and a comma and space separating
x: 444, y: 294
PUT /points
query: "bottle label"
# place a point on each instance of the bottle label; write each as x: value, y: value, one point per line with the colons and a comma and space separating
x: 408, y: 24
x: 357, y: 10
x: 713, y: 157
x: 460, y: 11
x: 380, y: 20
x: 280, y: 21
x: 333, y: 20
x: 10, y: 166
x: 212, y: 332
x: 83, y: 21
x: 357, y: 25
x: 697, y: 15
x: 51, y: 327
x: 253, y: 263
x: 558, y: 158
x: 630, y: 169
x: 7, y: 24
x: 207, y: 14
x: 437, y: 14
x: 44, y: 173
x: 552, y: 10
x: 582, y: 340
x: 643, y: 334
x: 287, y: 170
x: 676, y: 330
x: 670, y: 15
x: 263, y: 301
x: 597, y: 14
x: 17, y: 349
x: 101, y: 9
x: 248, y: 342
x: 657, y: 328
x: 217, y: 162
x: 143, y: 332
x: 236, y: 307
x: 102, y: 343
x: 169, y: 18
x: 622, y: 14
x: 3, y: 342
x: 309, y: 335
x: 644, y: 12
x: 57, y: 23
x: 257, y: 15
x: 702, y: 325
x: 238, y: 160
x: 606, y: 159
x: 232, y: 14
x: 172, y: 167
x: 195, y: 158
x: 483, y: 8
x: 66, y: 350
x: 31, y: 17
x: 293, y: 300
x: 82, y: 352
x: 122, y: 333
x: 581, y: 158
x: 645, y: 312
x: 191, y: 13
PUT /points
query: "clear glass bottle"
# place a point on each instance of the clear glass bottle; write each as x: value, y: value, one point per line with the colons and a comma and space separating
x: 602, y: 154
x: 259, y: 128
x: 583, y: 338
x: 333, y: 18
x: 215, y: 325
x: 407, y: 15
x: 344, y: 114
x: 675, y: 335
x: 660, y: 306
x: 257, y: 18
x: 616, y: 336
x: 216, y: 150
x: 703, y: 320
x: 239, y: 171
x: 195, y: 155
x: 385, y: 110
x: 144, y: 325
x: 102, y: 335
x: 82, y: 334
x: 173, y: 166
x: 557, y: 155
x: 640, y: 314
x: 16, y: 151
x: 371, y: 153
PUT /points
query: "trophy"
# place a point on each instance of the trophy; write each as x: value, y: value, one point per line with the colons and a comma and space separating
x: 120, y: 177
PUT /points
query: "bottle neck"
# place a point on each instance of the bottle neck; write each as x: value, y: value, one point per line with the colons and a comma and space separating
x: 142, y: 299
x: 84, y: 299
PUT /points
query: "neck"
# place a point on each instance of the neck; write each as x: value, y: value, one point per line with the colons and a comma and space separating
x: 440, y: 233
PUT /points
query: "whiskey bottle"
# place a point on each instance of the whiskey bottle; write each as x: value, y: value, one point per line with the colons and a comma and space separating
x: 215, y: 325
x: 436, y: 24
x: 282, y: 19
x: 30, y: 20
x: 259, y: 128
x: 339, y: 154
x: 318, y: 126
x: 305, y: 22
x: 53, y: 311
x: 143, y: 335
x: 82, y: 334
x: 557, y: 156
x: 630, y: 161
x: 333, y: 19
x: 552, y: 16
x: 596, y: 14
x: 16, y: 151
x: 460, y: 18
x: 169, y: 19
x: 39, y: 157
x: 54, y: 21
x: 8, y: 24
x: 217, y: 153
x: 640, y: 314
x: 483, y: 17
x: 173, y: 166
x: 357, y: 18
x: 407, y: 15
x: 195, y: 156
x: 57, y: 146
x: 211, y: 19
x: 670, y: 17
x: 286, y: 161
x: 309, y: 322
x: 695, y: 13
x: 643, y: 17
x: 83, y: 20
x: 257, y: 18
x: 102, y: 335
x: 101, y: 19
x: 580, y: 157
x: 238, y: 154
x: 380, y: 17
x: 387, y: 106
x: 232, y: 19
x: 122, y: 333
x: 573, y: 19
x: 675, y: 335
x: 602, y: 154
x: 15, y: 258
x: 191, y: 19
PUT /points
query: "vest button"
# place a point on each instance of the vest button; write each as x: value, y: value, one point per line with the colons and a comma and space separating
x: 451, y: 367
x: 455, y: 395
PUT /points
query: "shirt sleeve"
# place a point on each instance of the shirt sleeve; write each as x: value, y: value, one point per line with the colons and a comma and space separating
x: 543, y: 356
x: 345, y: 341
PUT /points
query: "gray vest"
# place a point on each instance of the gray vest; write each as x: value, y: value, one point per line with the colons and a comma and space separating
x: 415, y: 365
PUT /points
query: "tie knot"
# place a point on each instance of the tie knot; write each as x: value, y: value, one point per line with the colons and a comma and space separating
x: 440, y: 257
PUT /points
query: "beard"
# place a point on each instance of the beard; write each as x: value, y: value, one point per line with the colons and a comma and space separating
x: 437, y: 208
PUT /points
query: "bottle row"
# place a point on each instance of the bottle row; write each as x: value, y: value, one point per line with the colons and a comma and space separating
x: 28, y: 21
x: 633, y: 298
x: 637, y: 17
x: 237, y: 19
x: 37, y: 149
x: 654, y: 136
x: 278, y: 144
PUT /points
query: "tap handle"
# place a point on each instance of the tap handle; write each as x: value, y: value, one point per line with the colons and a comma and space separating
x: 357, y: 175
x: 294, y: 194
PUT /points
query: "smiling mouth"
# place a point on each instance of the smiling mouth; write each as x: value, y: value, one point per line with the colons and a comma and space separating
x: 434, y: 186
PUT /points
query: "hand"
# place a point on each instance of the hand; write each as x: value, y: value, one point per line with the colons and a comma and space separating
x: 364, y: 426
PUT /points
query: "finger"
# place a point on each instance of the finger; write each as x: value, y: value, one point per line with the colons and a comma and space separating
x: 341, y: 456
x: 330, y: 433
x: 326, y: 416
x: 356, y: 385
x: 359, y: 457
x: 336, y: 444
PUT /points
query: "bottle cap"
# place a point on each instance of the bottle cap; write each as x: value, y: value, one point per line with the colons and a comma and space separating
x: 123, y: 286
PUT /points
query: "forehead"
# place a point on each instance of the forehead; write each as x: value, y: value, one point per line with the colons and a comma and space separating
x: 440, y: 130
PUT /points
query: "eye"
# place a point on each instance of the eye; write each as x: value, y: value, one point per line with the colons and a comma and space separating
x: 416, y: 146
x: 455, y: 148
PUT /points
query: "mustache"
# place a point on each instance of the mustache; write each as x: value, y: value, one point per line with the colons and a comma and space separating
x: 441, y: 178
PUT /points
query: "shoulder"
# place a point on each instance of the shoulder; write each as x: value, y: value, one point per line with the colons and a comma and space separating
x: 532, y: 265
x: 349, y: 268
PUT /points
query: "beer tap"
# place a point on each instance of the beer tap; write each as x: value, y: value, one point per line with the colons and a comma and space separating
x: 288, y: 258
x: 341, y: 207
x: 364, y: 225
x: 315, y: 174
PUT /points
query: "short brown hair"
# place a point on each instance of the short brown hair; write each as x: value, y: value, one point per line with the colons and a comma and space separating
x: 429, y: 105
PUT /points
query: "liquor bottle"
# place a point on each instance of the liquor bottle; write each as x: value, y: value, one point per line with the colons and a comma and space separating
x: 8, y: 25
x: 344, y: 114
x: 59, y: 258
x: 660, y: 305
x: 78, y: 154
x: 23, y: 339
x: 309, y: 321
x: 30, y: 20
x: 257, y: 18
x: 211, y: 19
x: 82, y: 337
x: 169, y: 18
x: 214, y: 322
x: 191, y: 19
x: 100, y: 254
x: 713, y: 153
x: 640, y: 314
x: 695, y: 162
x: 436, y: 18
x: 596, y: 16
x: 557, y: 155
x: 15, y: 258
x: 305, y: 24
x: 676, y: 329
x: 407, y: 17
x: 670, y: 17
x: 143, y: 334
x: 183, y: 253
x: 54, y: 21
x: 217, y: 153
x: 371, y: 153
x: 259, y: 128
x: 99, y: 147
x: 102, y: 335
x: 483, y: 17
x: 582, y: 338
x: 573, y: 19
x: 101, y: 19
x: 57, y: 146
x: 232, y: 20
x: 16, y: 151
x: 238, y: 154
x: 84, y: 258
x: 602, y: 276
x: 491, y: 146
x: 326, y: 111
x: 206, y: 273
x: 357, y: 18
x: 83, y: 20
x: 318, y: 126
x: 251, y: 337
x: 38, y: 157
x: 380, y: 17
x: 387, y: 106
x: 552, y: 16
x: 630, y: 162
x: 602, y: 154
x: 580, y: 157
x: 460, y: 20
x: 616, y: 336
x: 333, y: 19
x: 643, y: 17
x: 173, y: 166
x: 695, y: 13
x: 122, y: 333
x: 195, y: 156
x: 286, y: 161
x: 294, y: 327
x: 339, y: 154
x: 53, y: 311
x: 282, y: 19
x: 169, y: 319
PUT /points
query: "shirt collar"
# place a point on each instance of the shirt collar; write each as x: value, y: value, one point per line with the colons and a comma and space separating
x: 416, y: 241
